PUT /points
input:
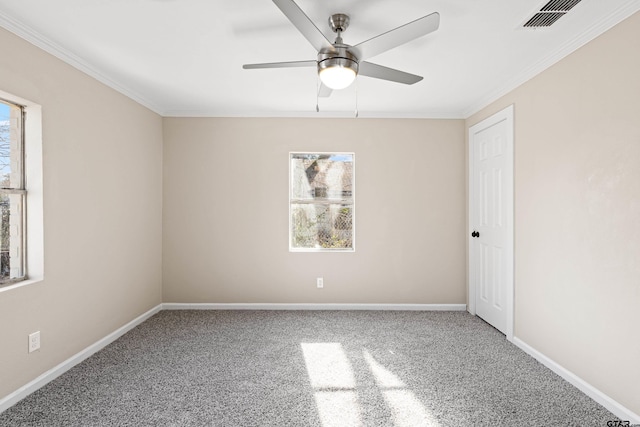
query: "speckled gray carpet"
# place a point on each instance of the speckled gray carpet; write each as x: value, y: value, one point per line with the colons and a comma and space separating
x: 309, y: 368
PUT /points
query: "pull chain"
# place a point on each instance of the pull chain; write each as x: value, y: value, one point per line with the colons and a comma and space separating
x: 318, y: 96
x: 356, y: 96
x: 317, y: 93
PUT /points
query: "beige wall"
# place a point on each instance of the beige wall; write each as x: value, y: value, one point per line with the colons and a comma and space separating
x: 577, y: 212
x: 226, y: 212
x: 102, y: 206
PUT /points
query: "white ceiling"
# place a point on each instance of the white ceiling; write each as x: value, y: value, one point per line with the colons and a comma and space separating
x: 184, y: 57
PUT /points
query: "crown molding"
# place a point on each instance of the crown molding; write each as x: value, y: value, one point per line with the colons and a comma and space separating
x: 35, y: 38
x: 30, y: 35
x: 453, y: 115
x: 608, y: 22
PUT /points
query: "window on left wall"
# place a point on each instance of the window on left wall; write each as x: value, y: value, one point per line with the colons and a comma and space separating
x: 12, y: 193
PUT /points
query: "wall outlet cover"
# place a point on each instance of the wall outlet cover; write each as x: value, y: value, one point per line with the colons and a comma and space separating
x: 34, y: 341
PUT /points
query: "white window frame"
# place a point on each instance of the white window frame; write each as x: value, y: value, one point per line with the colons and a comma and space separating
x: 352, y: 201
x: 16, y: 193
x: 33, y: 225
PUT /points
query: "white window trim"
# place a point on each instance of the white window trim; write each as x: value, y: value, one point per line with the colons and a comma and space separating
x: 353, y: 209
x: 34, y: 230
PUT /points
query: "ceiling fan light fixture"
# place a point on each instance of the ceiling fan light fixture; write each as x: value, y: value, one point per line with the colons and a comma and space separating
x: 337, y: 73
x: 338, y: 63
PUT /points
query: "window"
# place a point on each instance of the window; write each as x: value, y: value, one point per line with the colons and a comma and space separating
x: 321, y: 201
x: 12, y: 193
x: 21, y: 186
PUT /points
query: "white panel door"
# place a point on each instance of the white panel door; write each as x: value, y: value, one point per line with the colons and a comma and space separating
x: 491, y: 220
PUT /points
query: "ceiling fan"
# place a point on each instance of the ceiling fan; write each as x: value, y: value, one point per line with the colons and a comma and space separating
x: 338, y: 63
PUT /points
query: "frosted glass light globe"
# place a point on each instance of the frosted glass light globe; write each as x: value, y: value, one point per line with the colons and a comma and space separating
x: 337, y: 77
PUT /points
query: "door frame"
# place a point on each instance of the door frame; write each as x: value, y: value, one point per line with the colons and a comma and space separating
x: 507, y: 115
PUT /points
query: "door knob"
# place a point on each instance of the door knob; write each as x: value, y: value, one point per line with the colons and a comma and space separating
x: 475, y: 234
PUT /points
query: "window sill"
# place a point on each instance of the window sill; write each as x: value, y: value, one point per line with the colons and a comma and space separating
x: 20, y: 284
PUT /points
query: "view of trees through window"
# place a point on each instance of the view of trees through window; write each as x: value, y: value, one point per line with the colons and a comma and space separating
x: 321, y: 201
x: 12, y: 192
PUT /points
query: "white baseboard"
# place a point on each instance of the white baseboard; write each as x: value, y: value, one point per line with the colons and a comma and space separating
x: 614, y: 407
x: 302, y: 306
x: 10, y: 400
x: 55, y: 372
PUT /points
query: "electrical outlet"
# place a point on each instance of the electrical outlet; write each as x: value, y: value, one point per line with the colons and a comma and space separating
x: 320, y: 282
x: 34, y: 341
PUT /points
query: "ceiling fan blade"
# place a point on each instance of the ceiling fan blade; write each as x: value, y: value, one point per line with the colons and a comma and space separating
x: 291, y: 64
x: 385, y: 73
x: 398, y: 36
x: 303, y: 23
x: 324, y: 91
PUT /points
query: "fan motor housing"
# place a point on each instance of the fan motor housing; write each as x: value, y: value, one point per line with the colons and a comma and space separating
x: 337, y: 56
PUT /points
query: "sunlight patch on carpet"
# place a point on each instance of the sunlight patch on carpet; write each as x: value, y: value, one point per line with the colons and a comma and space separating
x: 407, y: 410
x: 334, y: 384
x: 336, y: 393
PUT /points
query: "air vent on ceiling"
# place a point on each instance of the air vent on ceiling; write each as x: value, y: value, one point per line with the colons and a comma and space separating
x: 550, y: 13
